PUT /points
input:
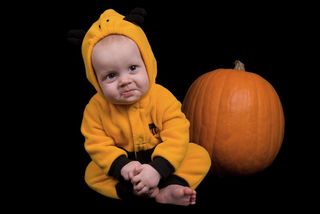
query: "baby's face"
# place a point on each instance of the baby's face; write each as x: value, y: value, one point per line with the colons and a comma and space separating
x: 120, y: 70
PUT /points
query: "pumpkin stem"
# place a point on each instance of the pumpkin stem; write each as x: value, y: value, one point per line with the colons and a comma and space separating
x: 239, y: 65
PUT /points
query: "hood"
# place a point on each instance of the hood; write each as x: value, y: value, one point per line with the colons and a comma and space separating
x: 111, y: 22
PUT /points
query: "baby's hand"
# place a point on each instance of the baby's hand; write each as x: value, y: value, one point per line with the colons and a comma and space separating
x: 145, y: 179
x: 128, y: 171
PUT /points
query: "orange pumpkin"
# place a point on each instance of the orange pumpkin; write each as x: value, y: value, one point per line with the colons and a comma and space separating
x: 238, y: 117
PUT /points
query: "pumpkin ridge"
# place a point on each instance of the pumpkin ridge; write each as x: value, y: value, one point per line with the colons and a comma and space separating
x: 201, y: 85
x: 211, y: 148
x: 258, y: 106
x: 272, y: 139
x: 218, y: 116
x: 201, y: 97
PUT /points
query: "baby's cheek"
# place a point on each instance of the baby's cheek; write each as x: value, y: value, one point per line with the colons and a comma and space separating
x: 111, y: 92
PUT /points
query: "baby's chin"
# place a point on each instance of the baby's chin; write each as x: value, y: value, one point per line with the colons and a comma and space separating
x: 126, y: 101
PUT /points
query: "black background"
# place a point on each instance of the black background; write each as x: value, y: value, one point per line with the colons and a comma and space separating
x: 188, y: 39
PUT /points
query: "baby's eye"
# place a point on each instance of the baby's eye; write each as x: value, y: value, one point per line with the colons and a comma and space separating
x: 110, y: 76
x: 132, y: 67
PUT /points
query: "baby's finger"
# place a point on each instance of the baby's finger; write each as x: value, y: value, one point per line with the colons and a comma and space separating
x: 137, y: 170
x: 138, y: 187
x: 144, y: 190
x: 135, y: 179
x: 130, y: 176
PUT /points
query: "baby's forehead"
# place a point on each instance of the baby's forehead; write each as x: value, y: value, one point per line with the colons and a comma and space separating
x: 116, y: 43
x: 110, y: 39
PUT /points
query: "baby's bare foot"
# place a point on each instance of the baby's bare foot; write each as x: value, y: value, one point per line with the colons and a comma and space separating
x: 176, y: 194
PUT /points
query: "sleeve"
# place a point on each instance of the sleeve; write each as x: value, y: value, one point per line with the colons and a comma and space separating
x: 174, y: 133
x: 98, y: 144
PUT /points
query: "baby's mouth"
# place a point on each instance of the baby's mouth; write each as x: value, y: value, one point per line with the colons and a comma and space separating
x: 127, y: 93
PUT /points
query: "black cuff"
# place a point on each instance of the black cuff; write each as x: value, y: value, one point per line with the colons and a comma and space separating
x: 115, y: 169
x: 163, y: 166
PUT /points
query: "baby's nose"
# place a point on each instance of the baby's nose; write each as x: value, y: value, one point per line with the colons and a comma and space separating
x: 124, y: 81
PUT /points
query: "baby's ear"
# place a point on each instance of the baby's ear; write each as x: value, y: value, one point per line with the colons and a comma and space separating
x: 136, y: 16
x: 75, y: 36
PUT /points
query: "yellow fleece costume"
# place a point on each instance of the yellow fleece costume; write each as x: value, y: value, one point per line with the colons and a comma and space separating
x: 152, y: 130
